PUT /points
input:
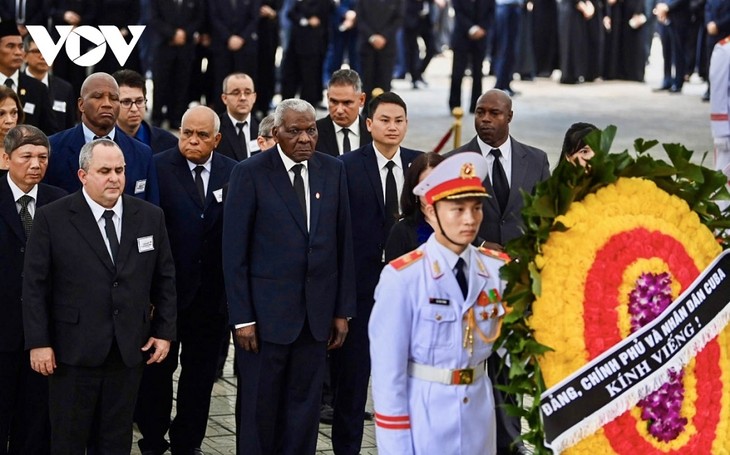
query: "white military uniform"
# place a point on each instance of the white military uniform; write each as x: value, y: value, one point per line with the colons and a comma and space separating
x: 720, y: 104
x: 420, y: 318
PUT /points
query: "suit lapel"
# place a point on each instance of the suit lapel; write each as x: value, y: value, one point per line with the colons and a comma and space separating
x: 473, y: 146
x: 370, y: 163
x: 279, y: 178
x: 519, y: 171
x: 84, y: 222
x: 231, y: 135
x: 9, y: 211
x: 316, y: 187
x: 131, y: 221
x: 183, y: 174
x: 216, y: 180
x: 329, y: 136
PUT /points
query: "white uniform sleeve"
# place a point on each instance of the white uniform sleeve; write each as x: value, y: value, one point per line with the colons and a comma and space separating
x: 390, y: 336
x: 720, y: 85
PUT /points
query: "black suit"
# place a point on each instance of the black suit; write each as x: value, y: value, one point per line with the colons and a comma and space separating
x: 36, y: 103
x: 230, y: 146
x: 291, y: 281
x: 96, y: 315
x: 378, y: 17
x: 195, y: 231
x: 63, y: 102
x: 370, y: 228
x: 327, y: 140
x: 23, y: 392
x: 467, y: 14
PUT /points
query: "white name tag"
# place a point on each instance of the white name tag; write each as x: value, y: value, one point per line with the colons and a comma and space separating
x: 140, y: 186
x: 253, y: 145
x: 29, y: 108
x: 218, y: 195
x: 59, y: 106
x: 145, y: 244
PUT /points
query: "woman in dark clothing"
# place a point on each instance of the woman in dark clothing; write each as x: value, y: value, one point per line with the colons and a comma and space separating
x: 411, y: 230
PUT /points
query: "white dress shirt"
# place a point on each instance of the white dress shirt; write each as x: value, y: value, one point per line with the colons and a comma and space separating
x: 18, y: 193
x: 398, y: 171
x: 98, y: 212
x: 506, y: 159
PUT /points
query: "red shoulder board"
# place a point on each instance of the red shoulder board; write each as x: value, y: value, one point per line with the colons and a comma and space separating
x: 501, y: 255
x: 406, y: 260
x: 724, y: 41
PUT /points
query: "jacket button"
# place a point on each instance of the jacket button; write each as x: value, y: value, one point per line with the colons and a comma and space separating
x: 465, y: 400
x: 116, y: 312
x: 115, y: 284
x: 22, y: 250
x: 438, y: 317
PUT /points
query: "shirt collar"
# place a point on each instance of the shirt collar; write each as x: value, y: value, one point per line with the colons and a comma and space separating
x: 505, y: 148
x: 288, y: 162
x: 17, y: 192
x: 234, y: 120
x: 382, y: 160
x: 449, y: 256
x: 354, y: 128
x: 89, y: 135
x: 15, y: 77
x: 98, y: 211
x: 206, y: 165
x: 44, y: 79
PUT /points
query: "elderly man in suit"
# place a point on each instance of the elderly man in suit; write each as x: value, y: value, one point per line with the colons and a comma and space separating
x: 98, y: 299
x: 288, y: 267
x: 133, y: 102
x: 32, y: 93
x: 60, y: 92
x: 99, y: 105
x: 344, y: 129
x: 192, y: 177
x: 239, y: 128
x: 375, y: 176
x: 512, y: 167
x: 23, y: 393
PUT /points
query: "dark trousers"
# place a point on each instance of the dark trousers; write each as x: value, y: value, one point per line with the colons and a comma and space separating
x: 351, y: 372
x: 507, y: 28
x: 417, y: 65
x: 24, y: 424
x: 93, y: 407
x: 200, y: 334
x: 472, y: 55
x: 172, y: 68
x: 340, y: 43
x: 225, y: 62
x: 377, y: 67
x: 672, y: 37
x: 280, y: 389
x: 302, y: 73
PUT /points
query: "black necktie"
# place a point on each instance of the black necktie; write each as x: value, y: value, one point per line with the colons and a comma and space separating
x: 461, y: 276
x: 242, y: 138
x: 299, y: 187
x: 346, y: 147
x: 199, y: 182
x: 391, y: 196
x: 101, y: 137
x: 25, y: 217
x: 499, y: 180
x: 111, y: 233
x: 9, y: 83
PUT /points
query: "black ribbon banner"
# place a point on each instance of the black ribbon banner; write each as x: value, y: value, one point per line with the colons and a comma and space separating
x: 617, y: 379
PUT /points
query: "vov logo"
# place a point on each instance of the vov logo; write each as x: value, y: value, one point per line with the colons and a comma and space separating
x: 100, y: 37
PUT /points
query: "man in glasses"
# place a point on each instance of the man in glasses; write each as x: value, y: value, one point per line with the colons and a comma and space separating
x: 239, y: 128
x: 133, y: 100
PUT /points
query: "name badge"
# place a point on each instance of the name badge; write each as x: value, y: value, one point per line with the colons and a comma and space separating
x: 140, y: 186
x: 145, y: 244
x: 253, y: 146
x: 29, y: 108
x: 435, y: 301
x: 59, y: 106
x: 218, y: 194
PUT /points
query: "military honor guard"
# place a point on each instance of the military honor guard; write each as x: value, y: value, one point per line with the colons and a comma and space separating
x: 720, y: 104
x: 437, y: 312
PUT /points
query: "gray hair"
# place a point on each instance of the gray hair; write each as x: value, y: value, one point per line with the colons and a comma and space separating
x: 25, y: 134
x: 266, y: 125
x: 211, y: 112
x: 346, y: 77
x: 292, y: 104
x: 87, y: 151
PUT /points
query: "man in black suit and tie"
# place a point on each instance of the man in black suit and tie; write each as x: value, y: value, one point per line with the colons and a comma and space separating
x: 377, y: 24
x: 192, y: 177
x: 375, y: 176
x: 288, y: 267
x: 512, y: 166
x: 32, y: 93
x: 239, y: 128
x: 344, y: 129
x: 98, y: 299
x: 23, y: 393
x: 60, y: 92
x: 133, y: 102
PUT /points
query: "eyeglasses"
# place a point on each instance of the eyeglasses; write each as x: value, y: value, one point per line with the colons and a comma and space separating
x: 236, y: 93
x: 127, y: 103
x: 33, y: 51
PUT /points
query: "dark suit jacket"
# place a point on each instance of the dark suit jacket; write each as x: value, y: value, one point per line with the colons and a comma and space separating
x: 63, y: 102
x: 226, y: 21
x: 327, y: 140
x: 160, y: 138
x: 277, y: 273
x: 229, y: 145
x: 34, y: 96
x: 12, y: 252
x: 382, y: 17
x: 77, y: 301
x: 529, y: 167
x: 36, y: 11
x: 195, y: 230
x: 369, y: 228
x: 64, y: 163
x: 468, y: 13
x: 166, y: 16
